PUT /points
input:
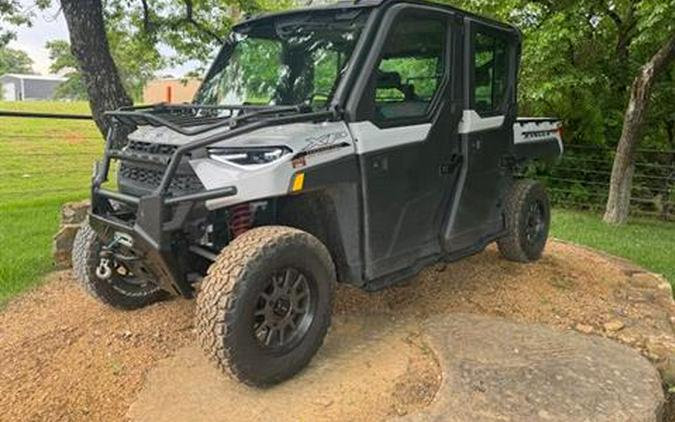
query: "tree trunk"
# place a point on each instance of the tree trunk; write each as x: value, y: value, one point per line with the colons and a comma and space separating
x: 89, y: 45
x: 621, y: 184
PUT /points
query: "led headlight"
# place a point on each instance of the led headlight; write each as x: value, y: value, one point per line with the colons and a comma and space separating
x: 248, y: 156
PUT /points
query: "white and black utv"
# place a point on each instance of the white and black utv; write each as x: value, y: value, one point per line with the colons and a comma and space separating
x: 355, y: 143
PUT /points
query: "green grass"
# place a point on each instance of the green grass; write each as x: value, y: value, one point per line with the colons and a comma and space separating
x: 43, y: 163
x: 649, y: 243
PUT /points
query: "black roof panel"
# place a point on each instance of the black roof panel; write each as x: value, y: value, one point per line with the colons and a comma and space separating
x: 354, y: 4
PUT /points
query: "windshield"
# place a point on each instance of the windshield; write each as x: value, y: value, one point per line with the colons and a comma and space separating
x: 288, y: 60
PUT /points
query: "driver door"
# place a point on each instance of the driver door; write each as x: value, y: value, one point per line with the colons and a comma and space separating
x: 406, y: 139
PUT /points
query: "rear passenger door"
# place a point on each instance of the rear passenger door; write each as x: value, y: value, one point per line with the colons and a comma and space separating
x: 486, y: 131
x: 406, y: 138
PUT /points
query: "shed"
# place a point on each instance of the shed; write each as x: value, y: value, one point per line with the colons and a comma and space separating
x: 18, y: 87
x: 170, y: 90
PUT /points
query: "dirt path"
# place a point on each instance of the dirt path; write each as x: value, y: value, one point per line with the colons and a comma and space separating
x: 64, y: 357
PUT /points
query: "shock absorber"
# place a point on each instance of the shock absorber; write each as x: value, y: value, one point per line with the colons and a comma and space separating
x: 241, y: 219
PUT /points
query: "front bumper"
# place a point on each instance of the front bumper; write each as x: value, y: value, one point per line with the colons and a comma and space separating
x: 157, y: 221
x: 155, y: 225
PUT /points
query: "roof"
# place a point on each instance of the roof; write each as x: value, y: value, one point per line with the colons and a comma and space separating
x: 363, y: 4
x: 54, y: 78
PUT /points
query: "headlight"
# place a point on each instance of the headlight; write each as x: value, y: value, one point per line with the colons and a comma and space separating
x: 248, y: 156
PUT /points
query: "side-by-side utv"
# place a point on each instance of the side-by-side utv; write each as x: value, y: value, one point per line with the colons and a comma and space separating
x: 355, y: 143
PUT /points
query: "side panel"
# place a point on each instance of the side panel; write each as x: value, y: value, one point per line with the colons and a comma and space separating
x: 330, y: 209
x: 405, y: 192
x: 408, y: 164
x: 476, y: 216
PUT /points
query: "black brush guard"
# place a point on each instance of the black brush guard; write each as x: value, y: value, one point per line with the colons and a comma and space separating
x: 158, y: 216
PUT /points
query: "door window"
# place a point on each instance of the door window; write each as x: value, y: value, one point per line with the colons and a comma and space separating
x: 412, y: 68
x: 490, y: 73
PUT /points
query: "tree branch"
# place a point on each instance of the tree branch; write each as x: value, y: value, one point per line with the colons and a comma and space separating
x: 146, y: 16
x: 189, y: 18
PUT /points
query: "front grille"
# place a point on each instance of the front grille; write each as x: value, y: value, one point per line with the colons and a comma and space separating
x: 183, y: 182
x: 147, y: 148
x: 147, y: 177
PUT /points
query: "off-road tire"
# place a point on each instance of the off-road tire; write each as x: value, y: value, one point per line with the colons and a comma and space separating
x: 515, y: 245
x: 230, y: 293
x: 86, y: 248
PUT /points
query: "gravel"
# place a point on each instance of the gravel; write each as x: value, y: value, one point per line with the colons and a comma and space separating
x: 65, y: 357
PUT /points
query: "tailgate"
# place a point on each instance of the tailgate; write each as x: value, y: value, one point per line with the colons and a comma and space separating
x: 538, y: 138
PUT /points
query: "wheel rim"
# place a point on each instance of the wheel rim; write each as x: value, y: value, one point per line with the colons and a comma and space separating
x: 284, y: 310
x: 536, y: 222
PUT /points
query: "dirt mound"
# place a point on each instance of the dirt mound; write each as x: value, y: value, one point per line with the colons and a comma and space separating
x: 368, y: 369
x: 62, y: 356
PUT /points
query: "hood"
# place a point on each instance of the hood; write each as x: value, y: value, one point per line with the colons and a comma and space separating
x: 298, y: 137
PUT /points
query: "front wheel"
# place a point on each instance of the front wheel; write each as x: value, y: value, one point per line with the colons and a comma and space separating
x: 127, y: 287
x: 266, y: 304
x: 528, y: 217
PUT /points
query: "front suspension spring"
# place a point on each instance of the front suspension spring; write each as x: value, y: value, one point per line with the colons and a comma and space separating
x: 241, y: 219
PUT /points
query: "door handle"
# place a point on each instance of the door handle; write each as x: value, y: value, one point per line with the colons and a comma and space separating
x: 450, y: 166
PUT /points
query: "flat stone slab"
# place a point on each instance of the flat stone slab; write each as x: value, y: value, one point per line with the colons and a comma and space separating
x: 495, y: 370
x: 457, y: 367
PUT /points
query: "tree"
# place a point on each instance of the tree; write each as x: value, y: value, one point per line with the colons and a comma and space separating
x: 618, y: 204
x: 654, y: 47
x: 13, y: 14
x: 64, y: 62
x: 584, y: 61
x: 193, y: 29
x: 125, y: 49
x: 90, y: 48
x: 15, y: 61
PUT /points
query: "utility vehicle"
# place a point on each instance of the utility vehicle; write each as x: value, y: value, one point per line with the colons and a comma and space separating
x: 354, y: 143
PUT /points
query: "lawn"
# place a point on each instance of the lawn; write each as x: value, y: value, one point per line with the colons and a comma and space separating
x: 44, y: 163
x: 649, y: 243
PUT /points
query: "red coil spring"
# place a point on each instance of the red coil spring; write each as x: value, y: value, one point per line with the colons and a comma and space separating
x: 241, y: 219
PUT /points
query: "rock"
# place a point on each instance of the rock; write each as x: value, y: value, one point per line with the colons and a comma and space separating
x: 583, y: 328
x: 614, y: 326
x: 484, y: 376
x: 626, y: 339
x: 75, y: 212
x: 644, y: 280
x: 63, y: 246
x: 659, y: 348
x: 72, y: 217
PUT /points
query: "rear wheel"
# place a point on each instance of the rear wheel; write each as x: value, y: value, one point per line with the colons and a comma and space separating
x: 528, y: 217
x: 266, y: 304
x: 127, y: 286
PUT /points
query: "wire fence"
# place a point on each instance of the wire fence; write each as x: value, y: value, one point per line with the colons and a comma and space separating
x: 581, y: 180
x: 44, y: 155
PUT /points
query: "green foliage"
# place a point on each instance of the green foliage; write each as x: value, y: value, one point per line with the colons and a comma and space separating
x: 192, y: 29
x: 64, y: 62
x: 126, y: 49
x: 13, y: 13
x: 580, y: 58
x: 15, y: 61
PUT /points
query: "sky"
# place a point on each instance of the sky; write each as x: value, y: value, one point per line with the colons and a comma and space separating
x: 50, y: 25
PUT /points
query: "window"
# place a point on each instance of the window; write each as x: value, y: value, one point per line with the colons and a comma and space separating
x: 284, y: 61
x: 412, y: 68
x: 490, y: 73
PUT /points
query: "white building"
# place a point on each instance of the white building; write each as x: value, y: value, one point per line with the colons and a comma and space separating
x: 16, y: 87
